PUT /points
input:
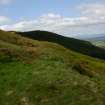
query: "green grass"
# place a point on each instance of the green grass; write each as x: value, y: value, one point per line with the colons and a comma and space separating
x: 42, y: 73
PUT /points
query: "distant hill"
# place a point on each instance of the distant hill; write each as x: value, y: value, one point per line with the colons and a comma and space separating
x: 91, y: 36
x: 77, y: 45
x: 43, y: 73
x: 98, y: 42
x: 98, y: 38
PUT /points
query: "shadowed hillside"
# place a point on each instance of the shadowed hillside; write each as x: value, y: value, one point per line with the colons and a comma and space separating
x: 43, y: 73
x: 80, y: 46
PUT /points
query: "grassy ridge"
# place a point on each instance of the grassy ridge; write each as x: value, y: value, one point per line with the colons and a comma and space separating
x: 43, y: 73
x: 83, y: 47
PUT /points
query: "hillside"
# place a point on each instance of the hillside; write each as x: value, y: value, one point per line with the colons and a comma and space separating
x: 42, y: 73
x: 80, y: 46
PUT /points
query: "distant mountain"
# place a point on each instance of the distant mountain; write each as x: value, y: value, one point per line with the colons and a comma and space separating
x: 95, y: 37
x: 98, y: 38
x: 76, y: 45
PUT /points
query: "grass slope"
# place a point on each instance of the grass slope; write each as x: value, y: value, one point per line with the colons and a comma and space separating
x: 42, y: 73
x: 80, y: 46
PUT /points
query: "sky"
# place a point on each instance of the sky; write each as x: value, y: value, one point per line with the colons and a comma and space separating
x: 74, y: 18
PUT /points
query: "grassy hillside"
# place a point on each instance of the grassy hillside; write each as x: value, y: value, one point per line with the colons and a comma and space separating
x: 43, y: 73
x: 80, y: 46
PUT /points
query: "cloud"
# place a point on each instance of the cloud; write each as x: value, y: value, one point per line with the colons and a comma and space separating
x: 91, y: 21
x: 5, y: 1
x: 4, y: 20
x: 93, y: 10
x: 50, y: 22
